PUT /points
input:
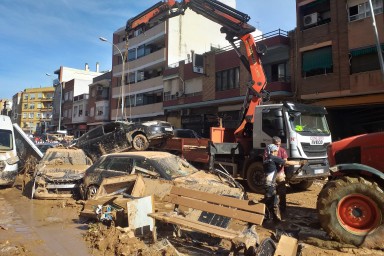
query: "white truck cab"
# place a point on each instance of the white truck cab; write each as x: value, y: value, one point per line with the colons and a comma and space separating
x: 8, y: 154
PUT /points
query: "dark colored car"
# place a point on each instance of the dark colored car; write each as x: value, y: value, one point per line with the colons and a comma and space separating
x: 185, y: 133
x: 122, y: 136
x: 149, y: 163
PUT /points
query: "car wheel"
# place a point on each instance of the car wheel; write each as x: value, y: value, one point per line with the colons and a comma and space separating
x: 92, y: 191
x: 140, y: 142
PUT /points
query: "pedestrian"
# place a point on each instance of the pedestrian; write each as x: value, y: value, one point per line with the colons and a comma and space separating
x: 272, y: 164
x: 281, y: 189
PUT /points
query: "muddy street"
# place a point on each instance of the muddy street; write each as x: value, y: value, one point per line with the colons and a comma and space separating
x: 52, y: 227
x: 37, y: 227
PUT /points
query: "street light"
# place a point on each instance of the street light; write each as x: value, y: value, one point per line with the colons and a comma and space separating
x: 61, y: 97
x: 122, y: 76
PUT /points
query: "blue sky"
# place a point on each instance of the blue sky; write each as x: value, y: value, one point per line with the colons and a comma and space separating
x: 39, y: 36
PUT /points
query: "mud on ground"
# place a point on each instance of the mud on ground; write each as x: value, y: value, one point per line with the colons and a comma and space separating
x: 44, y: 227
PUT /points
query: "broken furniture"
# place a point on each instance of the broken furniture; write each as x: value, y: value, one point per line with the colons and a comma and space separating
x: 243, y: 210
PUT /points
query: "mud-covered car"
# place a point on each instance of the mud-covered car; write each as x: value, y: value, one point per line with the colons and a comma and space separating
x: 59, y: 173
x: 154, y: 164
x: 123, y: 136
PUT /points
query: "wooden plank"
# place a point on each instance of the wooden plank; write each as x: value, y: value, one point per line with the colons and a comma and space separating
x: 249, y: 217
x: 287, y: 246
x: 196, y: 225
x: 245, y: 205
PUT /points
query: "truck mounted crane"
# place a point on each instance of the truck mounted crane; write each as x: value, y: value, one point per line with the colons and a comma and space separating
x: 303, y: 129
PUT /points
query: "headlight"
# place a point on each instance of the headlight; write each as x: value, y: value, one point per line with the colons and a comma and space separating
x: 13, y: 160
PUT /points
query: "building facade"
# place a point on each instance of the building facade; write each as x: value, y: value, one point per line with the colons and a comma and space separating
x: 336, y: 63
x: 34, y: 114
x: 148, y: 50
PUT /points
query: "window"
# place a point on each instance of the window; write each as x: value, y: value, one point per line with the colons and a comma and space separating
x: 39, y: 106
x: 143, y: 164
x: 99, y: 111
x: 121, y: 164
x: 363, y: 10
x: 80, y: 110
x: 364, y: 59
x: 38, y: 115
x: 75, y: 109
x: 317, y: 62
x: 32, y: 106
x: 39, y: 95
x: 25, y: 106
x: 131, y: 54
x: 278, y: 72
x: 26, y: 96
x: 30, y: 115
x: 228, y: 79
x: 32, y: 96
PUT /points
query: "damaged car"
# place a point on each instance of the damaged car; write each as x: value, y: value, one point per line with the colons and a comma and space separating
x: 122, y: 136
x: 59, y: 173
x: 151, y: 164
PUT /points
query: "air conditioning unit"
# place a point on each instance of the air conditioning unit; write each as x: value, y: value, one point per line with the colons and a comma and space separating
x: 310, y: 19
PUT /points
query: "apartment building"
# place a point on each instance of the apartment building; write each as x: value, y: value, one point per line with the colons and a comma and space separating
x: 98, y: 102
x: 336, y: 62
x: 5, y: 107
x: 79, y: 80
x: 148, y: 50
x: 197, y: 100
x: 33, y: 109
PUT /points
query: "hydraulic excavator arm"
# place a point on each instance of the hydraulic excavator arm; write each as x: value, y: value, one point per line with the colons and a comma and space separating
x: 234, y: 25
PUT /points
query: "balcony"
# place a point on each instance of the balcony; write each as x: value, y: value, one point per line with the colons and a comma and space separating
x: 147, y: 60
x: 140, y: 86
x: 154, y: 32
x: 146, y: 110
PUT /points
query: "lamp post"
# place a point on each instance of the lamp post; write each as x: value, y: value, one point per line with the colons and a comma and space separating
x: 61, y: 97
x: 122, y: 75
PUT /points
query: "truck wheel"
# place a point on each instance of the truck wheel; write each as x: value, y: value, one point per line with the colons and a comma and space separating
x: 302, y: 185
x: 140, y: 142
x: 351, y: 210
x: 256, y: 178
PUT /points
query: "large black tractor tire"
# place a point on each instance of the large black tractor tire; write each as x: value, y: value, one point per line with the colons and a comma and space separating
x: 256, y: 177
x: 351, y: 210
x: 302, y: 185
x: 140, y: 142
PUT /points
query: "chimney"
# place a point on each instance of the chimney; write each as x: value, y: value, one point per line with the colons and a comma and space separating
x: 97, y: 67
x: 86, y: 67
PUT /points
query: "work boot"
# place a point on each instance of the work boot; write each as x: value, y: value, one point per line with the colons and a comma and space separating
x: 277, y: 214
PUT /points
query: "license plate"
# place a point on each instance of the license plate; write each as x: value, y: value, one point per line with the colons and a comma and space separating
x: 318, y: 171
x: 169, y: 129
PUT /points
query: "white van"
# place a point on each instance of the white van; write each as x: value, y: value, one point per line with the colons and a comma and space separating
x: 8, y: 154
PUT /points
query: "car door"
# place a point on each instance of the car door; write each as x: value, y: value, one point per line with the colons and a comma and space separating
x: 114, y: 138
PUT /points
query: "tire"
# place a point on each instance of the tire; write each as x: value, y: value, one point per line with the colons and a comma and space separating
x: 92, y: 191
x: 256, y: 177
x: 140, y: 142
x: 302, y: 185
x: 351, y: 210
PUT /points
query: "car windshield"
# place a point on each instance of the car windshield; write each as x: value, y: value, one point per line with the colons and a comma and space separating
x: 175, y: 167
x: 309, y: 123
x: 6, y: 141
